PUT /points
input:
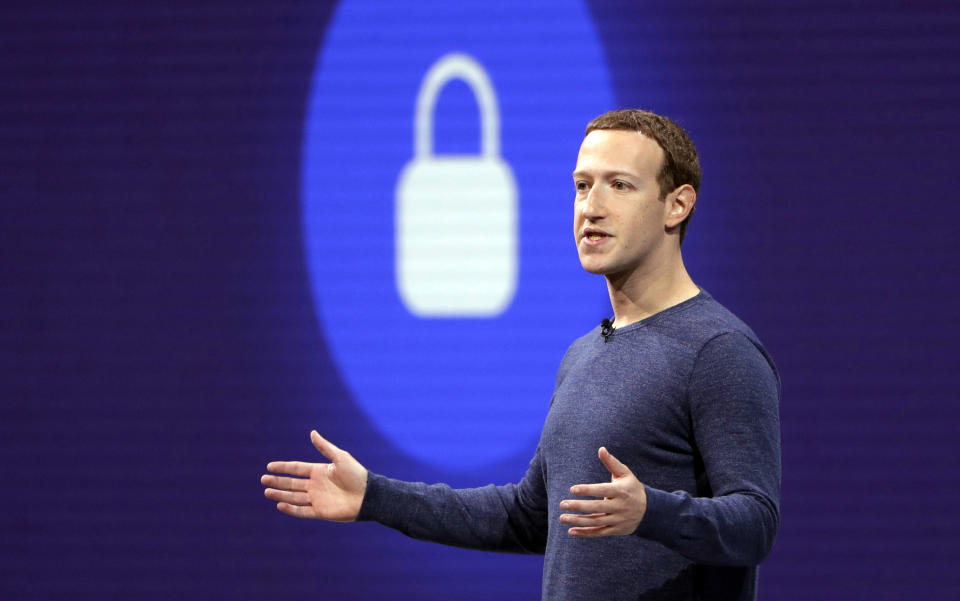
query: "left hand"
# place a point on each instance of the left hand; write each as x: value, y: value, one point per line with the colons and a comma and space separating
x: 622, y: 504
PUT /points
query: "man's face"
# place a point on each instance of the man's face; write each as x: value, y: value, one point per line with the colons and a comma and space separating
x: 619, y: 218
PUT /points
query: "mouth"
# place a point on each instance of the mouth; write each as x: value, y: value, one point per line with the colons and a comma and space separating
x: 594, y: 235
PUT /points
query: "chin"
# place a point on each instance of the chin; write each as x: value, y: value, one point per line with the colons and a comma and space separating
x: 592, y: 268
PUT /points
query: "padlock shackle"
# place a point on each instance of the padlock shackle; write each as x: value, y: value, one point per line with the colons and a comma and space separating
x: 456, y: 66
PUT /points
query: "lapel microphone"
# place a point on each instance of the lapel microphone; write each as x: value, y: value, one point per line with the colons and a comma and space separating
x: 606, y: 329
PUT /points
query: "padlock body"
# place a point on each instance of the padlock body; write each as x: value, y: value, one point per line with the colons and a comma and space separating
x: 456, y: 236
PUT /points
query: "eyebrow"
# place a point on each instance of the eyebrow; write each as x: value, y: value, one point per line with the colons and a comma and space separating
x: 605, y: 174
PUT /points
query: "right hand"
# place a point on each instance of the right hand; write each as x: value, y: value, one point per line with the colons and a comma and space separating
x: 327, y: 491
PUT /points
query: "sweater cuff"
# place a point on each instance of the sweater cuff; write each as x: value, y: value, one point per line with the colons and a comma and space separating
x: 662, y: 518
x: 374, y: 504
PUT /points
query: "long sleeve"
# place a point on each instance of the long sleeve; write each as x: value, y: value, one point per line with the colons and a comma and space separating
x: 734, y: 411
x: 508, y: 518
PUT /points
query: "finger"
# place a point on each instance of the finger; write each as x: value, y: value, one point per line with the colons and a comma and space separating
x: 585, y: 506
x: 606, y: 490
x: 286, y: 496
x: 297, y: 468
x: 590, y: 532
x: 613, y: 464
x: 590, y: 520
x: 284, y: 483
x: 297, y: 511
x: 329, y: 450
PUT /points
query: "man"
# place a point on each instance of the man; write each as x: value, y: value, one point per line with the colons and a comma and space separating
x: 657, y: 473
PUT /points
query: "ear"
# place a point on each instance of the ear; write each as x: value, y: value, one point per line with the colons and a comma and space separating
x: 679, y: 205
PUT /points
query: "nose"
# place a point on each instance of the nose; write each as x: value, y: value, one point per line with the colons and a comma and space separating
x: 593, y: 206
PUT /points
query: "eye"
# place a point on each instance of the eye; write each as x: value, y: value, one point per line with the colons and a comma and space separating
x: 582, y: 186
x: 619, y: 185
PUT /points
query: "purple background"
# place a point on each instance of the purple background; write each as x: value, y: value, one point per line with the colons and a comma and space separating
x: 159, y: 345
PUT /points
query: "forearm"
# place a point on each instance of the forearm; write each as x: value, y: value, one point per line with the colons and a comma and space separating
x: 733, y: 530
x: 490, y: 518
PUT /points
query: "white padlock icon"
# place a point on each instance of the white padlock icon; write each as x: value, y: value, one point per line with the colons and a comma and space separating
x: 456, y: 215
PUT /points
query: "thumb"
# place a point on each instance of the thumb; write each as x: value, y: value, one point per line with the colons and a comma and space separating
x: 327, y: 448
x: 613, y: 464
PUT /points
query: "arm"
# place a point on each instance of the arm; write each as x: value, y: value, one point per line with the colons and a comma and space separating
x: 733, y: 397
x: 734, y: 404
x: 509, y: 518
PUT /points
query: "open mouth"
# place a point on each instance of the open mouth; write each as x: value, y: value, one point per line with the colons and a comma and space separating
x: 592, y: 235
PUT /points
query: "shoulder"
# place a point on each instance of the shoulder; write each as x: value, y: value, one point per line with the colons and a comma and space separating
x: 733, y: 347
x: 702, y: 318
x: 713, y: 336
x: 703, y: 321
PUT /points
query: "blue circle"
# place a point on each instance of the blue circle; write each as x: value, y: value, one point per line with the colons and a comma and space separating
x: 453, y: 392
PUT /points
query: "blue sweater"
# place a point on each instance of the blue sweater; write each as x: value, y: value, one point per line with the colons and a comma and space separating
x: 688, y: 400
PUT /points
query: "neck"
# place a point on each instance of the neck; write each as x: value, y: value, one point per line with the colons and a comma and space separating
x: 645, y: 292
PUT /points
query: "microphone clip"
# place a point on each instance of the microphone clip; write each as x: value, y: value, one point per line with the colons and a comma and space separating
x: 606, y: 329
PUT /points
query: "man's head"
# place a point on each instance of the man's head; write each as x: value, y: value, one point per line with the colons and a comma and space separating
x: 680, y: 164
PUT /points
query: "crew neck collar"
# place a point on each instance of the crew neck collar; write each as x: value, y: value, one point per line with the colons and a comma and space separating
x: 681, y: 306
